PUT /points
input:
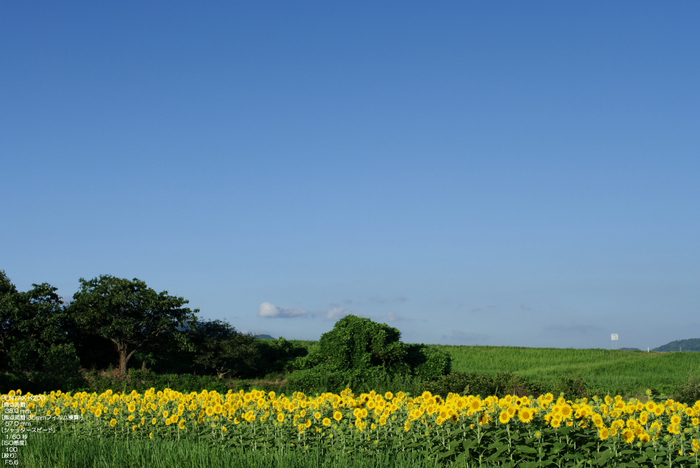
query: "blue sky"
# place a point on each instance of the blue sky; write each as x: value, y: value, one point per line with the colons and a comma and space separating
x: 492, y: 173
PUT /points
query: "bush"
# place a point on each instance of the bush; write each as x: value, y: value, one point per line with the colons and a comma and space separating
x: 319, y: 380
x: 461, y: 383
x: 573, y: 387
x: 363, y: 351
x: 428, y: 363
x: 141, y: 381
x: 507, y: 383
x: 9, y: 382
x: 41, y: 367
x: 359, y: 343
x: 144, y: 380
x: 275, y: 356
x: 503, y: 383
x: 689, y: 391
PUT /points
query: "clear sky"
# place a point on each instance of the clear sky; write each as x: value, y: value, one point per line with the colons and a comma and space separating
x: 492, y: 173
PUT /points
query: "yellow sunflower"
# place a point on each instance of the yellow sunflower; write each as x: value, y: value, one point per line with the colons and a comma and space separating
x: 504, y: 418
x: 525, y: 415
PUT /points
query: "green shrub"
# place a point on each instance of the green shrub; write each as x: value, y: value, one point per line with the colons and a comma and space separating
x: 359, y: 343
x: 143, y: 380
x: 508, y: 383
x: 9, y: 382
x: 358, y: 351
x: 318, y: 380
x: 573, y: 387
x: 689, y: 391
x: 458, y: 382
x: 426, y: 362
x: 503, y: 383
x: 276, y: 355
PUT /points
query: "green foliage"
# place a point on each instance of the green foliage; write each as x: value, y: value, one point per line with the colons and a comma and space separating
x: 427, y: 362
x: 100, y: 381
x: 358, y: 351
x: 461, y: 383
x: 604, y: 371
x: 466, y: 440
x: 508, y: 383
x: 8, y: 313
x: 128, y: 313
x: 573, y: 387
x: 692, y: 344
x: 360, y: 343
x: 504, y: 383
x: 94, y: 351
x: 65, y: 451
x: 319, y: 380
x: 275, y: 356
x: 34, y: 343
x: 688, y: 392
x: 218, y: 347
x: 501, y: 384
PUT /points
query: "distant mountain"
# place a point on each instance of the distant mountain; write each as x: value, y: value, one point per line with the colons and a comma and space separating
x: 264, y: 337
x: 692, y: 344
x: 630, y: 349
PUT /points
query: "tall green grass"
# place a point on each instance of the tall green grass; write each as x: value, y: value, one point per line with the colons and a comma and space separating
x: 610, y: 371
x: 62, y: 451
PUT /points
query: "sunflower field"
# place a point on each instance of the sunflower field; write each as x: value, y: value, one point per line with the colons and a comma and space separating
x: 455, y: 431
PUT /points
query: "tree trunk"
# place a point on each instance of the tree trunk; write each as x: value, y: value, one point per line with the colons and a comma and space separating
x: 122, y: 360
x: 123, y: 356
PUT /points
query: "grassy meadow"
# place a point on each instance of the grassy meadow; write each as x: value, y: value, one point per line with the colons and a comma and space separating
x: 609, y: 371
x: 606, y: 371
x: 62, y: 451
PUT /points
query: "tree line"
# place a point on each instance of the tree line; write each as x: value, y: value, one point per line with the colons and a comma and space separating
x: 120, y: 323
x: 47, y: 344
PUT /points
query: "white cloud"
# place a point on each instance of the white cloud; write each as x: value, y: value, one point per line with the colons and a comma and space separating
x: 394, y: 317
x: 335, y: 313
x: 272, y: 311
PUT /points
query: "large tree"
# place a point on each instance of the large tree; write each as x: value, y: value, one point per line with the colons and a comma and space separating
x: 220, y: 348
x: 34, y: 341
x: 359, y: 352
x: 128, y: 313
x: 9, y: 299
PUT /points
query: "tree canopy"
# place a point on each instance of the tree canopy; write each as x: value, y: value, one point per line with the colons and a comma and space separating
x: 222, y: 349
x: 128, y: 313
x: 359, y: 350
x: 360, y: 343
x: 34, y: 341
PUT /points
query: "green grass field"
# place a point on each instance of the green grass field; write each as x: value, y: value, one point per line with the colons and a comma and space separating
x: 607, y: 371
x: 612, y: 371
x: 60, y: 451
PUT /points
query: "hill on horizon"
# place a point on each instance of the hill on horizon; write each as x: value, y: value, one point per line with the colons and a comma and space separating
x: 265, y: 337
x: 692, y: 344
